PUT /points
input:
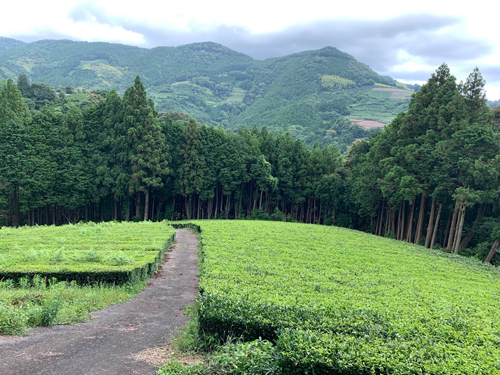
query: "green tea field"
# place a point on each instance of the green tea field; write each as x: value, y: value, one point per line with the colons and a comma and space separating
x: 337, y: 301
x: 59, y: 274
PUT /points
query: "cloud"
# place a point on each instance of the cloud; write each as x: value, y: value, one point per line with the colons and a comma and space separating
x: 430, y: 38
x: 388, y: 46
x: 491, y: 73
x: 90, y: 12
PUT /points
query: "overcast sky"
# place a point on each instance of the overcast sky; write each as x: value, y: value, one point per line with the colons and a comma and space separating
x: 406, y: 40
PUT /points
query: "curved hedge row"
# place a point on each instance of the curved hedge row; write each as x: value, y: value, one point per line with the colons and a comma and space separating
x: 337, y: 301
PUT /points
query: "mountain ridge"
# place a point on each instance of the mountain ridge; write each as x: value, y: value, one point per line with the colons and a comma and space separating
x: 312, y: 93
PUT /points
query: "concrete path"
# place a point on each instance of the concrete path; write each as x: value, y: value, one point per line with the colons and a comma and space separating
x: 106, y: 344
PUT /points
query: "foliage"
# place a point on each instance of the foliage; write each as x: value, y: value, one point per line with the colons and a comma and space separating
x: 335, y: 82
x: 40, y: 302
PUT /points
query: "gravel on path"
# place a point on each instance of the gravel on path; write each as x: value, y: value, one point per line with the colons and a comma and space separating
x: 107, y: 343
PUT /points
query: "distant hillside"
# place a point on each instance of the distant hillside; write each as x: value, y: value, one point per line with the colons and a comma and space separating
x: 492, y: 104
x: 8, y: 43
x: 313, y: 94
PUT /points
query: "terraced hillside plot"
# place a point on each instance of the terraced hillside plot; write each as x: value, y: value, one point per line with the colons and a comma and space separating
x: 394, y: 93
x: 337, y: 301
x: 106, y: 252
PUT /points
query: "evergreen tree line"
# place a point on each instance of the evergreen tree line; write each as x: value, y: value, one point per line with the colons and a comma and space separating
x: 430, y: 177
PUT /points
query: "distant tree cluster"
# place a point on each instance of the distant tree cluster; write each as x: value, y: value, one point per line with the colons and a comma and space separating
x: 431, y: 177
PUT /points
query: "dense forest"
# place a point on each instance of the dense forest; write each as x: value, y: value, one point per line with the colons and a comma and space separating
x: 430, y: 177
x: 312, y: 94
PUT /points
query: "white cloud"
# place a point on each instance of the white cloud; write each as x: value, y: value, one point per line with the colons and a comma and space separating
x: 253, y: 23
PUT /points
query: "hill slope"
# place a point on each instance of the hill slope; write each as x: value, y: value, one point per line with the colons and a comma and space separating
x: 313, y: 94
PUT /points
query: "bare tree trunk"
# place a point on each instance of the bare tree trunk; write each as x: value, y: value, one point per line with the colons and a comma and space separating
x: 228, y: 206
x: 115, y: 209
x: 393, y: 222
x: 209, y: 207
x: 152, y: 209
x: 127, y: 215
x: 260, y: 201
x: 173, y: 209
x: 198, y: 209
x: 158, y: 210
x: 381, y: 219
x: 319, y: 216
x: 138, y: 204
x: 387, y: 216
x: 436, y: 226
x: 216, y: 201
x: 492, y: 252
x: 187, y: 205
x: 86, y: 212
x: 452, y: 227
x: 250, y: 198
x: 470, y: 234
x: 458, y: 237
x: 421, y: 217
x: 403, y: 219
x: 146, y: 204
x: 409, y: 232
x: 431, y: 222
x: 15, y: 216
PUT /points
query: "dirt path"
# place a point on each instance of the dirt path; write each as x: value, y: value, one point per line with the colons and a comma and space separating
x: 106, y: 344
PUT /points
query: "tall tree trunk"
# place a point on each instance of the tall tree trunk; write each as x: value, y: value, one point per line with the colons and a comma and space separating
x: 15, y: 217
x: 436, y: 226
x: 387, y: 218
x: 431, y: 222
x: 392, y: 227
x: 138, y: 204
x: 187, y: 204
x: 409, y: 232
x: 86, y: 212
x: 173, y: 209
x: 127, y: 214
x: 158, y: 210
x: 319, y: 215
x: 115, y: 209
x: 210, y: 207
x: 470, y: 233
x: 402, y: 224
x: 381, y: 219
x: 260, y: 200
x: 492, y: 252
x: 216, y: 201
x: 146, y: 204
x: 453, y: 226
x: 228, y: 206
x: 198, y: 209
x: 421, y: 217
x: 250, y: 198
x: 458, y: 236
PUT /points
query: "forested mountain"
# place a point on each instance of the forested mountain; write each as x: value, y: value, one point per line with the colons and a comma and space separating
x: 7, y: 43
x: 430, y: 177
x: 312, y: 94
